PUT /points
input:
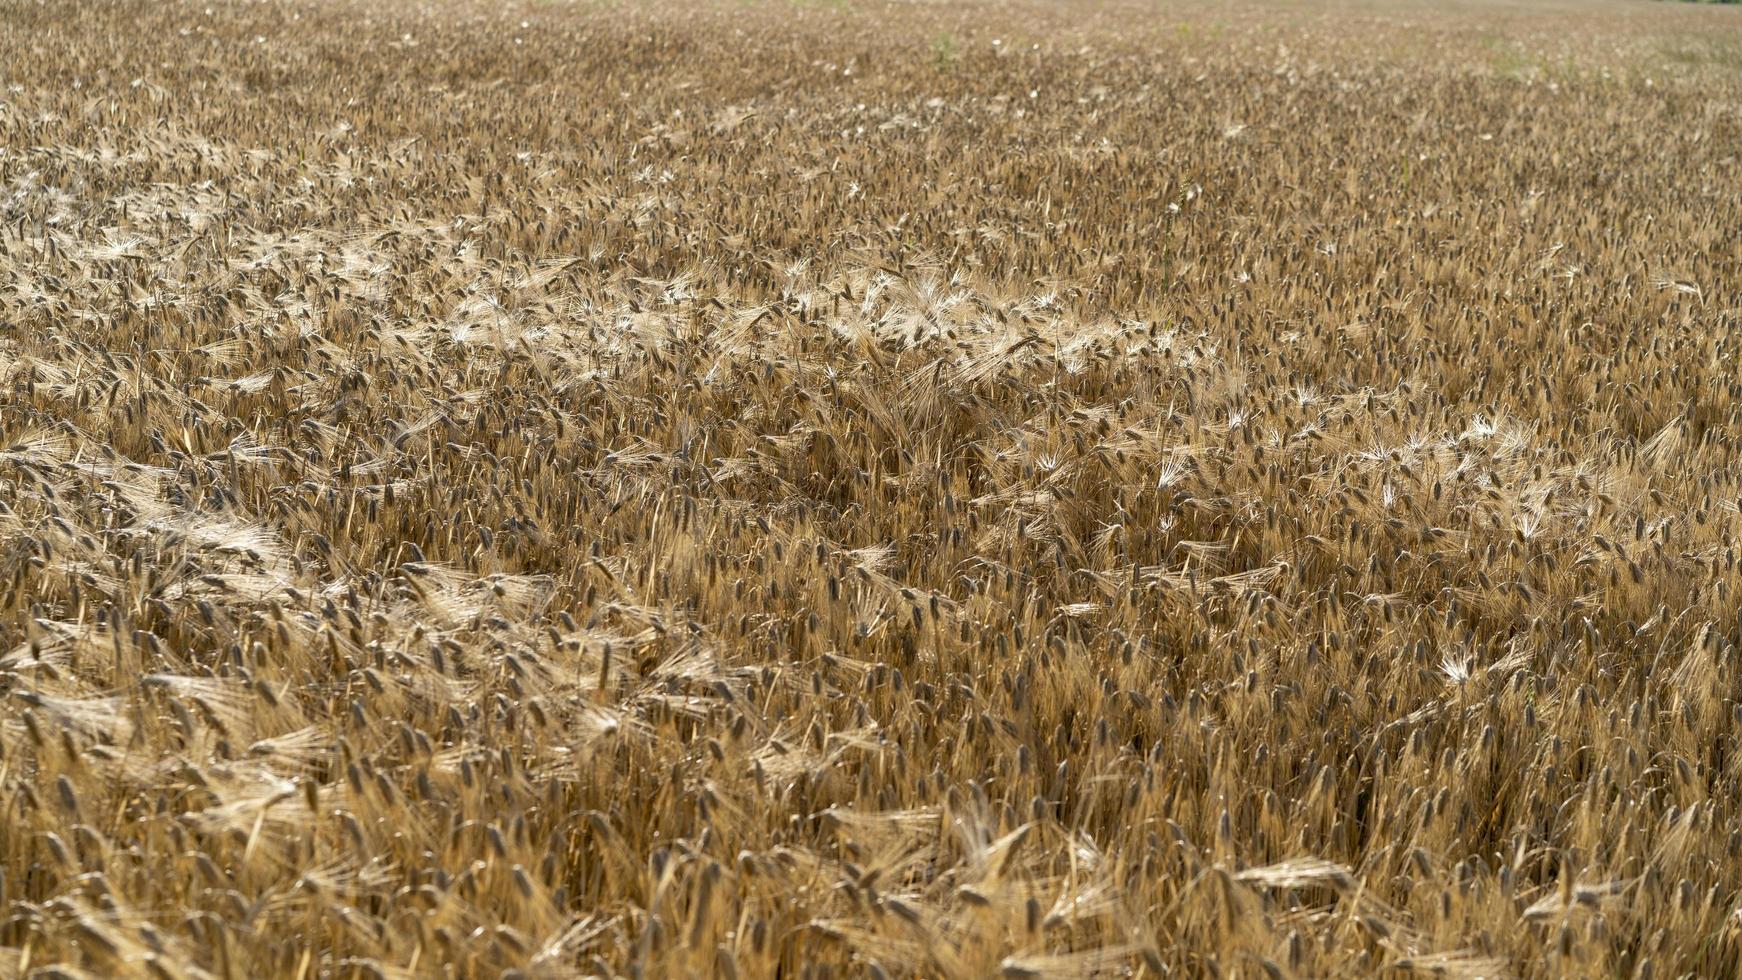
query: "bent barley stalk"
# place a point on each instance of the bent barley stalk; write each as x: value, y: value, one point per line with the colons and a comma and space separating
x: 681, y: 489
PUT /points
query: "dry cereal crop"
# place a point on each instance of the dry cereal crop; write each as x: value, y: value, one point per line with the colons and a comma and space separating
x: 849, y: 488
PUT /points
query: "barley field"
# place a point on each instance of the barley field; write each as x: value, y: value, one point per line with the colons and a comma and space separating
x: 843, y: 488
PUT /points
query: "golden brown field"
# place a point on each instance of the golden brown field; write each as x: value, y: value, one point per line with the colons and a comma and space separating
x: 805, y: 489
